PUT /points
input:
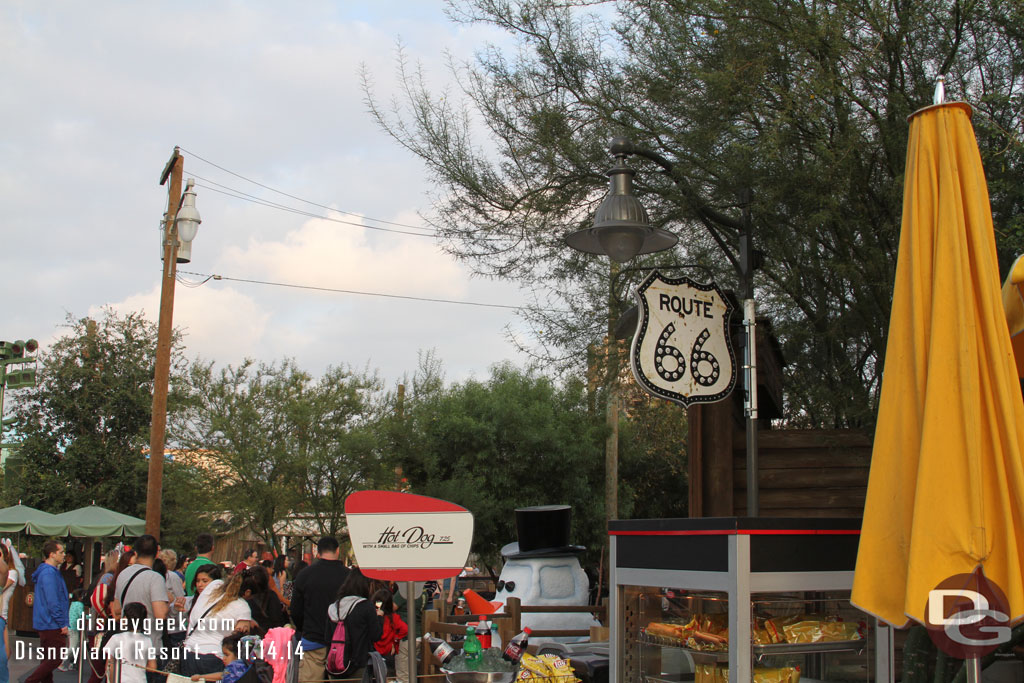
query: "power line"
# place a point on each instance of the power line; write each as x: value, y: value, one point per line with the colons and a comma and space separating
x: 237, y: 194
x: 245, y: 196
x: 361, y: 293
x: 291, y: 196
x: 188, y: 283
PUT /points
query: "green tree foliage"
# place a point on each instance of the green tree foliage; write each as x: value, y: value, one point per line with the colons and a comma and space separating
x: 653, y: 477
x: 804, y: 103
x: 280, y: 442
x: 188, y: 505
x: 85, y: 426
x: 511, y: 441
x: 341, y: 445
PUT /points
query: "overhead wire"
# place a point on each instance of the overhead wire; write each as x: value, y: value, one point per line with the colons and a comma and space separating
x: 237, y: 194
x: 245, y: 196
x: 297, y: 198
x: 221, y: 188
x: 336, y: 290
x: 190, y: 283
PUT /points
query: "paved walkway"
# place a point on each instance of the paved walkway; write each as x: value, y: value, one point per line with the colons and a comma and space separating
x: 22, y: 668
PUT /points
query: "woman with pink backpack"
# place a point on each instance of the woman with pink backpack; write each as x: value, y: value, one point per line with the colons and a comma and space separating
x: 357, y: 627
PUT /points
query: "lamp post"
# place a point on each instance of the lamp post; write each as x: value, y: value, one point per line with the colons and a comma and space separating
x: 12, y: 355
x: 622, y: 231
x: 181, y: 223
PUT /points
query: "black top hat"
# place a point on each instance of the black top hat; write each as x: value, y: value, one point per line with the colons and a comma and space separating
x: 543, y: 531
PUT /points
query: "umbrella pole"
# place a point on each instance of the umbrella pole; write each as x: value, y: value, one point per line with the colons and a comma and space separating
x: 973, y: 665
x: 87, y: 562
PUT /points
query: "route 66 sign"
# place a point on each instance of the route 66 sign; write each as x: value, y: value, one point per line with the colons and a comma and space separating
x: 682, y: 350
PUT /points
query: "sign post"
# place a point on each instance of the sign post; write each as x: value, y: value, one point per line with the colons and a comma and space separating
x: 406, y: 537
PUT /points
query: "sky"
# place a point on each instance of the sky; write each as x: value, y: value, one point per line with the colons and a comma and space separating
x: 97, y: 95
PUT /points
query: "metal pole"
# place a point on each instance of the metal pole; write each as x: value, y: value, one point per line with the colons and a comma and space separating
x: 611, y: 445
x: 3, y: 388
x: 410, y: 619
x: 83, y: 645
x: 161, y: 377
x: 884, y: 665
x: 973, y: 665
x: 750, y: 355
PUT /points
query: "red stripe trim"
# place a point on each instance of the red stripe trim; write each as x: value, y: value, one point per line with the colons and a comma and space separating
x: 742, y: 532
x: 417, y: 574
x: 396, y: 502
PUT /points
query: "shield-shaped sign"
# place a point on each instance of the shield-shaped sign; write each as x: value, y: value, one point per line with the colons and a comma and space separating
x: 682, y: 350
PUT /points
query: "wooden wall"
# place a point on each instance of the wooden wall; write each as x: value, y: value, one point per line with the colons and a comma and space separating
x: 231, y: 547
x: 805, y: 473
x: 801, y: 473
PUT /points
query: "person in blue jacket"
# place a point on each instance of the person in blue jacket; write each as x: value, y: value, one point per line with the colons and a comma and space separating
x: 50, y: 612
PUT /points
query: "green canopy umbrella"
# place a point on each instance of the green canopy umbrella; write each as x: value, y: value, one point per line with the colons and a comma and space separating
x: 19, y: 518
x: 94, y: 521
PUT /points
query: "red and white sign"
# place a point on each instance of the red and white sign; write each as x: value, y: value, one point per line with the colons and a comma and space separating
x: 405, y: 537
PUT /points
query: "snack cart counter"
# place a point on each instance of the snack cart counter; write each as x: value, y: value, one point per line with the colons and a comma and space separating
x: 762, y: 600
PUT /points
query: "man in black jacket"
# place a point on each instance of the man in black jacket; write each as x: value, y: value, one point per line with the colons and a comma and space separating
x: 315, y: 589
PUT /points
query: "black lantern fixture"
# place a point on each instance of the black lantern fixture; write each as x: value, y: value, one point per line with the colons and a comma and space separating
x: 621, y: 228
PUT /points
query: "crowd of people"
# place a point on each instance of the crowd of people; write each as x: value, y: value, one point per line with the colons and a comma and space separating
x: 191, y: 614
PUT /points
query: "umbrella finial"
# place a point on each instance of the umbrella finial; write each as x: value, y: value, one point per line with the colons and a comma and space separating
x: 940, y: 89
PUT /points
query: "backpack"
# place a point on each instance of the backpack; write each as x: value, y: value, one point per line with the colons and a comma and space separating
x: 292, y: 673
x: 250, y: 649
x: 339, y: 657
x: 259, y: 671
x: 376, y: 669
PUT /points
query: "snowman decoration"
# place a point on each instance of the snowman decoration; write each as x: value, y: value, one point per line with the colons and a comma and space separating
x: 543, y: 569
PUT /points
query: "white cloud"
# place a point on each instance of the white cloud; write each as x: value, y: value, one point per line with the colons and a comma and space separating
x: 217, y: 323
x: 322, y: 253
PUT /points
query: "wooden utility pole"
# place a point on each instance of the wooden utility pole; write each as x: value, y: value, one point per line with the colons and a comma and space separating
x: 161, y: 378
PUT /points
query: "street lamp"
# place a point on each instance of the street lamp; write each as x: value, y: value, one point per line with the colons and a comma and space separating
x: 622, y: 231
x: 14, y: 373
x: 621, y: 227
x: 180, y: 227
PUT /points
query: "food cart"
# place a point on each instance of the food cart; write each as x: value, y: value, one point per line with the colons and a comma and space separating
x: 740, y: 599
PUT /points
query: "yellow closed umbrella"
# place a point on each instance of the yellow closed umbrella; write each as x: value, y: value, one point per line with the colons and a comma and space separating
x: 1013, y: 307
x: 946, y: 488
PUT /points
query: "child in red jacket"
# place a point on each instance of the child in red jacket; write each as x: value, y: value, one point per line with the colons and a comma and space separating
x: 394, y: 629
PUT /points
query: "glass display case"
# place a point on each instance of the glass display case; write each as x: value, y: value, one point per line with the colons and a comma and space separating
x: 740, y: 600
x: 684, y: 635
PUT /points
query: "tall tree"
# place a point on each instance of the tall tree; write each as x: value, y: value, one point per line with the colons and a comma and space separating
x: 281, y: 443
x: 802, y: 102
x: 513, y: 440
x: 341, y: 445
